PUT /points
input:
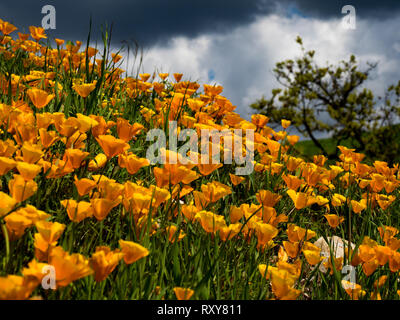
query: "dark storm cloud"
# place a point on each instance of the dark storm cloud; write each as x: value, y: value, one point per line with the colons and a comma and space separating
x: 367, y: 9
x: 156, y: 21
x: 148, y: 22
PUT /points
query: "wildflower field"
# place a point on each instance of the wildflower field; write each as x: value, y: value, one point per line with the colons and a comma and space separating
x: 85, y: 214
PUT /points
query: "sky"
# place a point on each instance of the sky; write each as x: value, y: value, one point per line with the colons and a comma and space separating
x: 233, y: 43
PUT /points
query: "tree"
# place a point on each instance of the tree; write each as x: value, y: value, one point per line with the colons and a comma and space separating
x: 332, y: 99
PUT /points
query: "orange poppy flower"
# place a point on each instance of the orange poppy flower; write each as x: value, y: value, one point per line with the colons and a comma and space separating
x: 77, y: 211
x: 300, y: 199
x: 6, y: 164
x: 102, y: 207
x: 183, y: 293
x: 104, y: 261
x: 111, y: 145
x: 334, y: 220
x: 68, y: 267
x: 7, y: 203
x: 84, y: 89
x: 20, y: 189
x: 28, y: 171
x: 39, y: 98
x: 37, y: 33
x: 132, y: 251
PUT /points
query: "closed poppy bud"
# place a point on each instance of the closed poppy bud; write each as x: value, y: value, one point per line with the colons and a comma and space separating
x: 183, y: 293
x: 28, y: 171
x: 104, y: 261
x: 39, y: 98
x: 132, y: 251
x: 20, y: 189
x: 338, y: 200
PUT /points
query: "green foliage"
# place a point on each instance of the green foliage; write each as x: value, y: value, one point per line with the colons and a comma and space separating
x: 333, y: 99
